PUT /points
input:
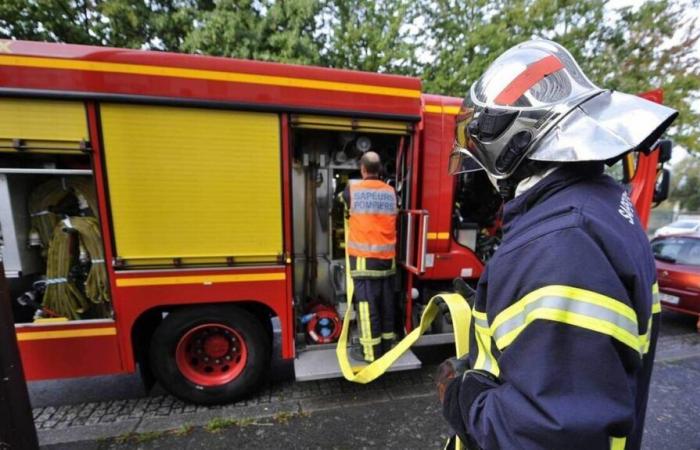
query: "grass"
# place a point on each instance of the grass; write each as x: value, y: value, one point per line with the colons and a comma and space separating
x: 183, y: 430
x: 219, y: 423
x: 138, y: 438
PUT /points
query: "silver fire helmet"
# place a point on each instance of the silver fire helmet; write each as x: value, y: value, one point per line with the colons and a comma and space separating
x: 534, y: 101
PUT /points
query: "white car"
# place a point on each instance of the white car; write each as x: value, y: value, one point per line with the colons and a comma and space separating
x: 679, y: 227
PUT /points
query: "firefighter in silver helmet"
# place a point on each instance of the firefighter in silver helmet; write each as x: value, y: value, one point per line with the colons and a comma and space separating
x: 565, y: 317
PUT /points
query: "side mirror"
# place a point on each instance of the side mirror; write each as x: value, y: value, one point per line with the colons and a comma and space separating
x: 665, y: 150
x: 663, y: 185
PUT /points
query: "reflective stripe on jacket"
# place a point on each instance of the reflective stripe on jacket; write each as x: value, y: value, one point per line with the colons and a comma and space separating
x: 372, y: 223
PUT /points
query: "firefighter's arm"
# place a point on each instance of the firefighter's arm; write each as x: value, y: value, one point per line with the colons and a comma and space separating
x: 564, y: 368
x: 342, y: 200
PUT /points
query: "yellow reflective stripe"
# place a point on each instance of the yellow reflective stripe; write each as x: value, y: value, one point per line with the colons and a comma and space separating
x: 200, y: 279
x: 484, y: 358
x: 570, y: 292
x: 373, y: 273
x: 618, y: 443
x: 573, y: 306
x: 440, y: 109
x: 579, y: 320
x: 202, y: 74
x: 656, y: 305
x: 438, y: 236
x: 65, y: 334
x: 366, y: 328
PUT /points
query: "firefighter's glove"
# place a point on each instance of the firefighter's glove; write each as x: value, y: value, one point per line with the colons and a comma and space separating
x: 449, y: 369
x: 460, y: 395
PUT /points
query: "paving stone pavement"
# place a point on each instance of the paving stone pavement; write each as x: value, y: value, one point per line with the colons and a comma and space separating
x: 99, y: 420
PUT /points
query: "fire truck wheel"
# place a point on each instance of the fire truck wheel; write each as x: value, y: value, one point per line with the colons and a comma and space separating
x: 210, y: 355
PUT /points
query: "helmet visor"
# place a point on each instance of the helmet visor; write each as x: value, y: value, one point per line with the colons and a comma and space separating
x: 461, y: 159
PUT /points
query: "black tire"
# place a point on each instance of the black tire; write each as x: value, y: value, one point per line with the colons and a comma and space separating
x: 178, y: 323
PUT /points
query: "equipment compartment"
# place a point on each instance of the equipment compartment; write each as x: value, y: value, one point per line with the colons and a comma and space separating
x: 52, y: 247
x: 326, y: 153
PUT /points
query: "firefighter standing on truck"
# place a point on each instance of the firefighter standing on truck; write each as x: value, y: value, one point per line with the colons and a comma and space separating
x: 566, y: 312
x: 370, y: 204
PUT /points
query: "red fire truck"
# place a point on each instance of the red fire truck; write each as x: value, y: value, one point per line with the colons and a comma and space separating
x: 176, y: 212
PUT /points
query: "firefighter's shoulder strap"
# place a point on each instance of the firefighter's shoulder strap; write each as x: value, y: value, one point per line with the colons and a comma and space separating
x: 461, y: 322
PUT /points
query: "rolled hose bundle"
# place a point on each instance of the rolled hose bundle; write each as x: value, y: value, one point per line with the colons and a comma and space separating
x: 62, y: 295
x: 96, y: 284
x: 50, y: 194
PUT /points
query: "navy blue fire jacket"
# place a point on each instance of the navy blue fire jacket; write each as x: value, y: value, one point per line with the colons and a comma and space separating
x: 565, y: 323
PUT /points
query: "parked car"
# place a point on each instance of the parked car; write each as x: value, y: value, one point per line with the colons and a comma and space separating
x: 678, y: 272
x: 684, y: 226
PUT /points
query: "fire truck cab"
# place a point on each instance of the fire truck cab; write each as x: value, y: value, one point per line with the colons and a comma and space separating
x: 178, y: 213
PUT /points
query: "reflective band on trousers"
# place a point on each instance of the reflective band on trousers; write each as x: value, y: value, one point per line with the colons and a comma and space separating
x: 371, y: 247
x: 618, y: 443
x: 573, y: 306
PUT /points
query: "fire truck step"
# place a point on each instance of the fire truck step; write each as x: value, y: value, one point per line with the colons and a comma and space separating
x: 322, y: 363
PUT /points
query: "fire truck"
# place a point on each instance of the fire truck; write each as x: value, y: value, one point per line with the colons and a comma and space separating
x: 176, y: 212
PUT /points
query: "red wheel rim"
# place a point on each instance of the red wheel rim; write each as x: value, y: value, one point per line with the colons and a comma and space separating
x: 211, y: 354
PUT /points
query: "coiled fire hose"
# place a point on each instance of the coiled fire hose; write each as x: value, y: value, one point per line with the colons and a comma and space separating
x: 58, y: 236
x: 96, y: 284
x: 461, y: 323
x: 62, y: 295
x: 49, y: 194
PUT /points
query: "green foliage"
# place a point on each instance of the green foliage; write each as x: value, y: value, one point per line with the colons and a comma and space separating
x: 685, y: 184
x: 369, y: 35
x: 264, y: 30
x: 448, y: 43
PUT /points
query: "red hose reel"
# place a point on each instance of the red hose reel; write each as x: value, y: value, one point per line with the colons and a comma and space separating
x: 322, y: 324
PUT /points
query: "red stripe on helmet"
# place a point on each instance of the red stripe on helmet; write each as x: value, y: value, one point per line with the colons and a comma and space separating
x: 528, y: 78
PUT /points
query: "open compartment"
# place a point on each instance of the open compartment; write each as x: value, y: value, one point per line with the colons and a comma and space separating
x: 52, y: 248
x: 326, y: 154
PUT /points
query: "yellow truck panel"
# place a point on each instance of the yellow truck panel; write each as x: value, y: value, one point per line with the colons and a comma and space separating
x: 195, y: 184
x: 42, y: 125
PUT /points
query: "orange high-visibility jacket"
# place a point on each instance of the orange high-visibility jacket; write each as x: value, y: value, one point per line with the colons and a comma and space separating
x: 372, y: 222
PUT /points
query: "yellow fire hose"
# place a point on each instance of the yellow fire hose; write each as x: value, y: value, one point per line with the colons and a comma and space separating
x: 51, y: 193
x: 62, y: 295
x: 461, y: 323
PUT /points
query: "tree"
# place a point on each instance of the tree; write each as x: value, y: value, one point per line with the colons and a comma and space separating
x: 632, y: 50
x: 464, y: 36
x: 264, y: 30
x: 374, y: 36
x: 158, y: 24
x: 685, y: 184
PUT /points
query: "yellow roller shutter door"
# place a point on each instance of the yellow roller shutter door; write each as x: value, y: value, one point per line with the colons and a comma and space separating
x: 350, y: 124
x: 193, y: 185
x: 42, y: 126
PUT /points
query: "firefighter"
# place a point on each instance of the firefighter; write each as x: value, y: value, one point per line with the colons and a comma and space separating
x: 371, y: 245
x: 565, y: 317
